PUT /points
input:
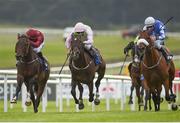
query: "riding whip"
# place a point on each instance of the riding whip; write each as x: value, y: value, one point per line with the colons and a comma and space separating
x: 123, y: 64
x: 65, y: 62
x: 167, y: 21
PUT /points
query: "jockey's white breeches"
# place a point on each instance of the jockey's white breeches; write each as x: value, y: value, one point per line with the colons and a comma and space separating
x: 38, y: 49
x: 88, y: 46
x: 158, y: 43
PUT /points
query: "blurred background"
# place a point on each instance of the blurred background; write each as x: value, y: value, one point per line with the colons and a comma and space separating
x: 100, y: 14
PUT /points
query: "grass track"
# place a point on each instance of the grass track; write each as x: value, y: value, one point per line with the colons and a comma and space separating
x: 86, y: 115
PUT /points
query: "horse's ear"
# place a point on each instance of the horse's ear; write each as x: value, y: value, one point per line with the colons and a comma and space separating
x: 18, y: 36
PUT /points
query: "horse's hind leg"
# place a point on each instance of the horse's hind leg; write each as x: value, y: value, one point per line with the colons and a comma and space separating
x: 147, y: 98
x: 73, y: 91
x: 167, y: 87
x: 33, y: 99
x: 101, y: 73
x: 20, y: 80
x: 81, y: 105
x: 39, y: 89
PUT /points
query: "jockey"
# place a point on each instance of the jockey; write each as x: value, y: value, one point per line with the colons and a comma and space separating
x: 36, y: 39
x: 132, y: 46
x: 88, y: 44
x: 157, y: 33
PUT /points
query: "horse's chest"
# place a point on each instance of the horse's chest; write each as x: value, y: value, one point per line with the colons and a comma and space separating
x: 83, y: 77
x: 27, y: 71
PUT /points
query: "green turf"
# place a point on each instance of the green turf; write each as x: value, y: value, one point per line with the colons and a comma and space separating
x: 111, y: 48
x: 99, y: 115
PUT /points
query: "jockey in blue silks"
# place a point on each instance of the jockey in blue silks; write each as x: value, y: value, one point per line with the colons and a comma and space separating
x: 157, y: 34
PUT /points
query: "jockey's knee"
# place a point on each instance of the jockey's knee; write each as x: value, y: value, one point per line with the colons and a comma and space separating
x: 87, y: 46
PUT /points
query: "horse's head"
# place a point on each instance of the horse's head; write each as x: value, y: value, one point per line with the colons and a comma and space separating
x: 22, y: 46
x: 76, y: 46
x: 146, y: 34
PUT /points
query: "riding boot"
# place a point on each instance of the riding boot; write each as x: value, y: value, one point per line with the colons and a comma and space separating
x: 95, y: 54
x: 166, y: 55
x: 45, y: 66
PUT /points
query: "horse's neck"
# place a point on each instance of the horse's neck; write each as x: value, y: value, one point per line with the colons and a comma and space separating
x: 152, y: 56
x: 81, y: 61
x: 31, y: 55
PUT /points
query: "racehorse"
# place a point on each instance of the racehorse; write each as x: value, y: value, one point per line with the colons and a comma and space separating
x: 134, y: 70
x: 156, y: 72
x: 30, y: 71
x: 83, y: 71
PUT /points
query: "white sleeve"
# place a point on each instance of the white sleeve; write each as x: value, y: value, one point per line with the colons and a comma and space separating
x: 89, y: 35
x: 68, y: 40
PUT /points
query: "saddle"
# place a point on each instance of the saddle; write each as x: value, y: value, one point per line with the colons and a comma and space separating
x: 43, y: 61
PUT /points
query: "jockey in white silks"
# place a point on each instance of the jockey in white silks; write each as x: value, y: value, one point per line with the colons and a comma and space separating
x: 88, y: 44
x: 158, y: 35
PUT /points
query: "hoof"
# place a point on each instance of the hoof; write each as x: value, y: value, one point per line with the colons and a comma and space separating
x: 130, y: 102
x: 77, y: 101
x: 161, y: 100
x: 96, y: 101
x: 141, y: 104
x: 36, y: 111
x: 28, y: 103
x: 91, y: 99
x: 81, y: 106
x: 13, y: 101
x: 174, y: 107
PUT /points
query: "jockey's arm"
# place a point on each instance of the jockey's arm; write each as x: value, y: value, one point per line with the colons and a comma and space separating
x: 162, y: 35
x: 89, y: 36
x: 68, y: 41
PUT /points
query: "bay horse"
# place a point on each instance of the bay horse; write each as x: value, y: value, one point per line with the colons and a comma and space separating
x: 30, y: 72
x: 83, y: 71
x: 134, y: 71
x: 156, y: 72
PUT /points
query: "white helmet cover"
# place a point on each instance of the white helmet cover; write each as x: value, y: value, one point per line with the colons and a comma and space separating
x: 79, y: 27
x: 142, y: 40
x: 149, y: 21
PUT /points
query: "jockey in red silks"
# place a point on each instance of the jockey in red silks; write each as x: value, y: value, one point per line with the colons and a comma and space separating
x: 36, y: 39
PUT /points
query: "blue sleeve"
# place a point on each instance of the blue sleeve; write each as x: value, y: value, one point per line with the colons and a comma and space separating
x: 160, y: 30
x: 161, y: 34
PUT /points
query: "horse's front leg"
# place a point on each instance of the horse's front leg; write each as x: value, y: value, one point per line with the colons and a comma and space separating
x: 20, y: 80
x: 73, y: 91
x: 167, y: 87
x: 97, y: 96
x: 130, y: 97
x: 28, y: 95
x: 91, y: 95
x: 31, y: 92
x: 81, y: 105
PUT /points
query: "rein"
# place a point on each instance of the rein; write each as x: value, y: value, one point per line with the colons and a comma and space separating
x: 30, y: 62
x: 153, y: 66
x: 78, y: 68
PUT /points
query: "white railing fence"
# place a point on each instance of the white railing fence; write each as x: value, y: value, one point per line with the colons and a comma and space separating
x: 112, y: 87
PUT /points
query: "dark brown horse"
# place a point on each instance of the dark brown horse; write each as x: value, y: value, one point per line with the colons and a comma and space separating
x: 156, y: 72
x: 83, y: 71
x: 134, y: 70
x: 30, y: 71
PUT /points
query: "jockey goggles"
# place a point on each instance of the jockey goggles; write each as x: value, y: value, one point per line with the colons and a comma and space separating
x: 78, y: 33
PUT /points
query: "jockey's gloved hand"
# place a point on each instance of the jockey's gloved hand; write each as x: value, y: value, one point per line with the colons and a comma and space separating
x: 125, y: 51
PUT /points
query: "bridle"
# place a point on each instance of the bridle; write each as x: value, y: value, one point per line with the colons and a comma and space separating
x: 79, y: 48
x: 20, y: 58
